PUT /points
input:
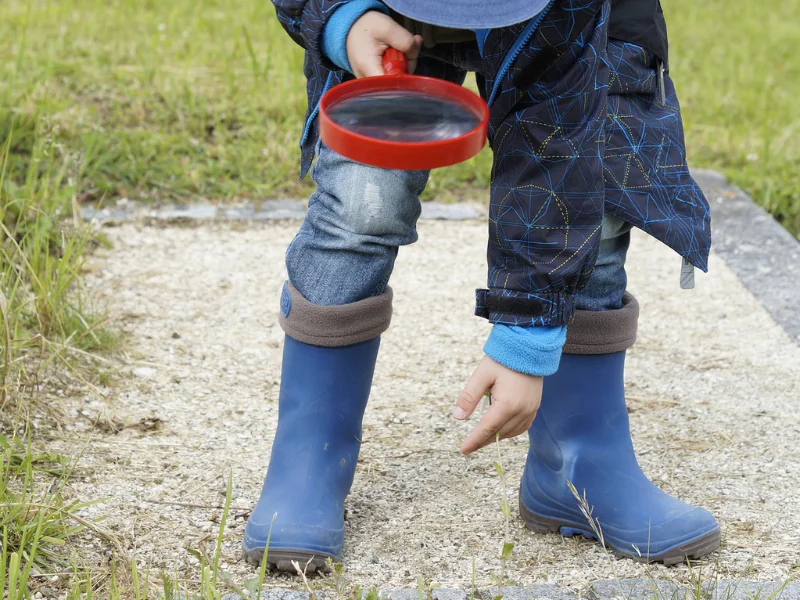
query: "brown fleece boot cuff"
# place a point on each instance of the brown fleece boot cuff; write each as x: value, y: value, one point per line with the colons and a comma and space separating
x: 334, y: 326
x: 603, y: 332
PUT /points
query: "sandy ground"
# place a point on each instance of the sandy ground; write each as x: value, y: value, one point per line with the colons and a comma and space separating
x: 713, y: 384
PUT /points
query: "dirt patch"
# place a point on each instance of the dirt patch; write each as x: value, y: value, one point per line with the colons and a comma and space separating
x: 714, y: 390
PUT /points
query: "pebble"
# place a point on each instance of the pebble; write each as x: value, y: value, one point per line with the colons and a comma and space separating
x: 144, y: 372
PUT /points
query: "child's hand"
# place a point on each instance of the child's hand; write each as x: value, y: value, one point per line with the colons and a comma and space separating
x: 369, y: 38
x: 515, y: 400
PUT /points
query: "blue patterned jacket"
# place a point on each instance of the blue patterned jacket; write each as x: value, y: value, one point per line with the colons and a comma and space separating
x: 578, y: 126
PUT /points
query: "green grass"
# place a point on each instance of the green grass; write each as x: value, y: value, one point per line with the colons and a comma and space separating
x: 154, y: 99
x: 45, y: 319
x: 48, y: 325
x: 37, y: 523
x: 44, y: 312
x: 737, y: 70
x: 186, y: 100
x: 32, y: 521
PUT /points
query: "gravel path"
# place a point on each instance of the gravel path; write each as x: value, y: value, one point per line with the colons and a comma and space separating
x: 713, y: 385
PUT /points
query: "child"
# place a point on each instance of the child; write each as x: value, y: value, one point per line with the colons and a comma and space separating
x: 587, y: 142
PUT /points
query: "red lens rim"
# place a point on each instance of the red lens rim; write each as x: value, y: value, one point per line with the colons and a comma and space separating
x: 403, y: 155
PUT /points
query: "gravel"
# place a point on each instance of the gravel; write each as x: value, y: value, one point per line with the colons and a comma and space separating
x: 713, y: 384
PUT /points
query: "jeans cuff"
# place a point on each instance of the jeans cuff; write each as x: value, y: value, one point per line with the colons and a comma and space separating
x: 334, y: 326
x: 603, y: 332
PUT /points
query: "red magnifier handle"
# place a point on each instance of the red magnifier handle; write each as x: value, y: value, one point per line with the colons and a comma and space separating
x: 395, y: 62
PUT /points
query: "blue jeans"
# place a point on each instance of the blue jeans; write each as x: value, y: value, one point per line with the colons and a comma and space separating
x: 359, y: 217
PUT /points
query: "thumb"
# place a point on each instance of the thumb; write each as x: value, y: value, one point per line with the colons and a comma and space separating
x: 482, y: 379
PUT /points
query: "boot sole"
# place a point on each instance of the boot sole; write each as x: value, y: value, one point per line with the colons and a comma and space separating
x: 281, y: 560
x: 693, y: 550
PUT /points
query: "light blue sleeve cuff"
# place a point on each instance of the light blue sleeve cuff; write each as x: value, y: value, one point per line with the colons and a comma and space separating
x: 334, y: 36
x: 530, y: 350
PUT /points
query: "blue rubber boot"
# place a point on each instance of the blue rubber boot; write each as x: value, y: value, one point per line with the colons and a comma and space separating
x: 323, y: 396
x: 581, y: 435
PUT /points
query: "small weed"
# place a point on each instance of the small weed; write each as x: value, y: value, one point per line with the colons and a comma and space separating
x: 345, y: 590
x: 262, y: 570
x: 425, y: 588
x: 472, y: 589
x: 372, y: 594
x: 586, y: 510
x: 36, y: 522
x: 505, y: 509
x: 34, y: 518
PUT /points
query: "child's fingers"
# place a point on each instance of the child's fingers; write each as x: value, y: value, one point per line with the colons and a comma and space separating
x: 400, y: 38
x: 414, y: 55
x: 483, y: 434
x: 519, y: 427
x: 416, y: 48
x: 493, y: 422
x: 370, y: 63
x: 370, y: 66
x: 371, y: 35
x: 482, y: 379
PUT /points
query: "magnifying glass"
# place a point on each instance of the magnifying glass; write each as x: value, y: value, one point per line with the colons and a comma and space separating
x: 402, y: 121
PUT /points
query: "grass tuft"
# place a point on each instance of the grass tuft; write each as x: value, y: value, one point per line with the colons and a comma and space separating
x: 45, y: 313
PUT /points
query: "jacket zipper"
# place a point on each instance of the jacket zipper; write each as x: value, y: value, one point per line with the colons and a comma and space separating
x: 313, y: 115
x: 516, y: 49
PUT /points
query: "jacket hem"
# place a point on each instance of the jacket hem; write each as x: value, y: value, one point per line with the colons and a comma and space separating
x: 523, y: 309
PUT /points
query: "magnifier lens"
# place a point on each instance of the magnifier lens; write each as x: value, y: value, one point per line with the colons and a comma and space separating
x: 404, y: 116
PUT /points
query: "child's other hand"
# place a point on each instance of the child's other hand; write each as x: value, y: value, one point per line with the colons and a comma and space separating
x: 371, y: 35
x: 515, y: 400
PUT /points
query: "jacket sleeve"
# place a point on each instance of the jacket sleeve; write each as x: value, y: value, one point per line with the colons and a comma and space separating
x: 304, y: 21
x: 547, y: 135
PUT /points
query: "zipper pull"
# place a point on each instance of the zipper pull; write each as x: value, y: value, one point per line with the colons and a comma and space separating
x: 687, y: 275
x: 662, y: 90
